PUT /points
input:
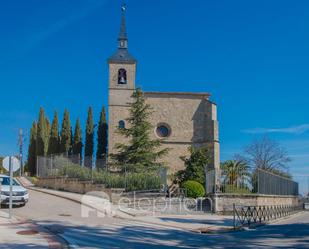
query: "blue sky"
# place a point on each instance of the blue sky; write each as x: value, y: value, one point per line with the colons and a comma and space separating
x: 252, y: 56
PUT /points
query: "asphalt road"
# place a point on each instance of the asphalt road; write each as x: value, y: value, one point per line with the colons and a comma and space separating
x: 64, y: 217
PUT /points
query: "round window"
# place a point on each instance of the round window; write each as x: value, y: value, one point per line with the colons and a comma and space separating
x: 163, y: 130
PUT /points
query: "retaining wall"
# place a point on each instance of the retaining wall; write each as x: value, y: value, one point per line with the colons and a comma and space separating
x: 223, y: 203
x: 77, y: 186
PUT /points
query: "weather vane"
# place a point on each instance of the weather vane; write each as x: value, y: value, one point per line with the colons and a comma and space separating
x: 123, y: 7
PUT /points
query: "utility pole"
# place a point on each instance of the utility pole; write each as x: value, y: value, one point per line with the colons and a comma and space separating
x: 20, y: 145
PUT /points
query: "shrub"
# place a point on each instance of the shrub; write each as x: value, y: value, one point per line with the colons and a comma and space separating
x: 235, y: 190
x: 194, y: 189
x: 129, y: 181
x: 33, y: 179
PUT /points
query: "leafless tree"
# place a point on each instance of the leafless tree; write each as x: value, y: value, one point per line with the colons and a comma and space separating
x: 267, y: 154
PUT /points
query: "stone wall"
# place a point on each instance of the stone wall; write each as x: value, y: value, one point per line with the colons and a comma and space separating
x: 113, y: 76
x: 76, y: 186
x: 119, y: 98
x: 223, y: 203
x: 192, y: 119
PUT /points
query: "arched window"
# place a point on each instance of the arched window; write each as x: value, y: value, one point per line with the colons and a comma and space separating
x: 122, y: 76
x: 121, y: 124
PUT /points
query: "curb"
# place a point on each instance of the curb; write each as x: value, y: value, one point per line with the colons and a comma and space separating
x: 220, y: 231
x: 208, y: 230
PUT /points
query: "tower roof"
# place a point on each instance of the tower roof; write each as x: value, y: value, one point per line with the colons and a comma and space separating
x: 123, y: 30
x: 122, y: 55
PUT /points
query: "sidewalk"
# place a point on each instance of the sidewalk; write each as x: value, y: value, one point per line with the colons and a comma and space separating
x: 206, y: 222
x: 18, y: 234
x: 201, y: 223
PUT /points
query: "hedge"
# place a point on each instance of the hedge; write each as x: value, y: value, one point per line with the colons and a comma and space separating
x: 129, y: 181
x: 194, y: 189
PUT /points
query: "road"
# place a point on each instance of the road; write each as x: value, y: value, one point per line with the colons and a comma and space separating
x: 64, y: 217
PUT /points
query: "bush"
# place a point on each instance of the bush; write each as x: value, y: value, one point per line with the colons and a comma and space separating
x: 129, y: 181
x: 194, y: 189
x: 33, y: 179
x: 235, y: 190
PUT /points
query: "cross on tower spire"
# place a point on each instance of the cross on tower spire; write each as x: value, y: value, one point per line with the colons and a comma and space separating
x: 122, y: 55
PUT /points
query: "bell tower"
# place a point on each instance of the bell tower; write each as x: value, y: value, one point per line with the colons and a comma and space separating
x: 122, y: 70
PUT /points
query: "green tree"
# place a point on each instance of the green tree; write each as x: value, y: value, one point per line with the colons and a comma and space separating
x: 65, y: 137
x: 77, y: 140
x: 31, y: 162
x: 141, y: 152
x: 2, y: 170
x: 42, y: 134
x: 101, y: 139
x: 46, y: 146
x: 71, y: 141
x: 195, y: 166
x: 236, y: 173
x: 54, y: 142
x: 89, y: 139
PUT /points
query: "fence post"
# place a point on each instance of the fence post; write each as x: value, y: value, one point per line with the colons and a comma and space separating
x: 51, y: 165
x: 125, y: 177
x: 234, y: 216
x: 37, y: 166
x: 258, y: 180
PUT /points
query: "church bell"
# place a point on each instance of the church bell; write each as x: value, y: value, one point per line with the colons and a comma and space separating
x: 122, y: 80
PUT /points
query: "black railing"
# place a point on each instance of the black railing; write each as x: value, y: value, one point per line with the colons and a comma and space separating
x: 248, y: 215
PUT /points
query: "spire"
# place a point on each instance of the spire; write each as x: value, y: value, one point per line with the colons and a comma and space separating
x: 123, y: 31
x: 122, y: 54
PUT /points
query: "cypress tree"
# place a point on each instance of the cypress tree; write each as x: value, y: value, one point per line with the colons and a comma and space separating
x: 141, y: 152
x: 101, y: 139
x: 31, y: 162
x: 71, y: 142
x: 53, y: 147
x: 47, y: 136
x: 89, y: 139
x: 42, y: 134
x: 77, y: 140
x: 65, y: 136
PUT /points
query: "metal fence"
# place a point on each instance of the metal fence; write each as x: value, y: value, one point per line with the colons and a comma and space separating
x: 245, y: 182
x: 48, y: 165
x: 271, y: 184
x: 98, y: 172
x: 248, y: 215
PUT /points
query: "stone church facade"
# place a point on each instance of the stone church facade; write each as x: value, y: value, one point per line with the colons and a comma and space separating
x: 180, y: 119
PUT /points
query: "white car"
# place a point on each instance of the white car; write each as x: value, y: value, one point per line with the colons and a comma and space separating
x: 20, y: 195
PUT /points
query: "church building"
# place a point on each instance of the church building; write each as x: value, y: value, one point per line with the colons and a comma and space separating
x: 180, y: 119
